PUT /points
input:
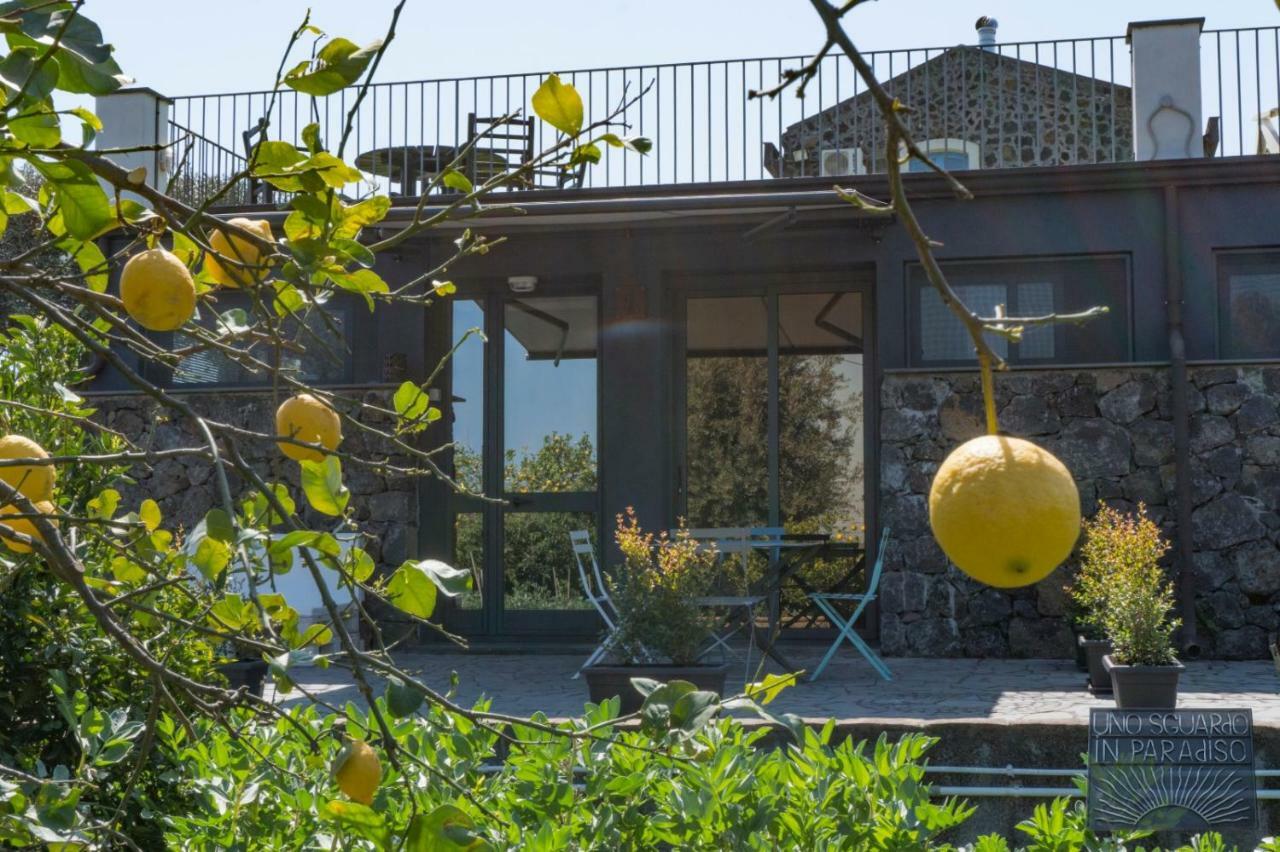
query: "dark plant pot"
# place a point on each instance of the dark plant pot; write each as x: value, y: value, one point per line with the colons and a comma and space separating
x: 250, y: 674
x: 1143, y: 687
x: 1094, y: 650
x: 604, y: 682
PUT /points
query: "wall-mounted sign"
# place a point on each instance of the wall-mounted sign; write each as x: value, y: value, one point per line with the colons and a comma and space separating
x: 1187, y: 770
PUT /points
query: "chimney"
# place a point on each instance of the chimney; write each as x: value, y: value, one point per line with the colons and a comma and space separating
x: 986, y: 27
x: 1167, y: 121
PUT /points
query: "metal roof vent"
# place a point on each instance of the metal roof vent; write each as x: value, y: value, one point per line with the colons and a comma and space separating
x: 986, y: 27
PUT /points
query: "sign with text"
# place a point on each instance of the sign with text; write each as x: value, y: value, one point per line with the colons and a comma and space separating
x: 1186, y: 770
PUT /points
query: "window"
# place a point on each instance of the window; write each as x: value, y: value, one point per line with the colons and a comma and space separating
x: 954, y: 155
x: 317, y: 352
x: 1249, y: 300
x: 1025, y: 288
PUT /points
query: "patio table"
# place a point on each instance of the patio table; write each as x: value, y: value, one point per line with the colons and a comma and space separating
x: 407, y: 165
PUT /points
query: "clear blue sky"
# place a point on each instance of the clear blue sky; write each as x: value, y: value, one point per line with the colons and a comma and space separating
x: 183, y: 47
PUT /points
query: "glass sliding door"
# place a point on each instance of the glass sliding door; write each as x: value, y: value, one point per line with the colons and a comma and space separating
x: 525, y: 429
x: 770, y: 395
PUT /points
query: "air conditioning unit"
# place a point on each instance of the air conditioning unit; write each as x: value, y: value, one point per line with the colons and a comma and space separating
x: 841, y: 161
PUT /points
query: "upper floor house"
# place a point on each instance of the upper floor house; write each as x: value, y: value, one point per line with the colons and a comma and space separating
x: 1167, y: 89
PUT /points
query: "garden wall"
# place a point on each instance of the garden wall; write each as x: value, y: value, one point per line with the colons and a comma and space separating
x: 1113, y: 429
x: 386, y: 507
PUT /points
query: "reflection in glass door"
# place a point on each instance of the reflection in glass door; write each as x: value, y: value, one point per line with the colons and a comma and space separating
x: 524, y: 428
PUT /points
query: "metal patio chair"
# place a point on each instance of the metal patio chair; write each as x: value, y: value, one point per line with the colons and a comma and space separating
x: 741, y: 603
x: 826, y: 601
x: 593, y: 586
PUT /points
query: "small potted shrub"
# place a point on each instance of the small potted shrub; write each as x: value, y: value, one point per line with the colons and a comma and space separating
x: 1137, y: 614
x: 1106, y: 548
x: 661, y: 629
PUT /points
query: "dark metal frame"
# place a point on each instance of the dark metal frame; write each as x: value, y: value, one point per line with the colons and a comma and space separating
x: 1228, y: 261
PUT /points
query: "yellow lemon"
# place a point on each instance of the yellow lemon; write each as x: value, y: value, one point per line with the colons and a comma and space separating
x: 238, y: 250
x: 35, y: 481
x: 357, y: 771
x: 1005, y: 511
x: 157, y: 290
x: 307, y: 418
x: 26, y: 526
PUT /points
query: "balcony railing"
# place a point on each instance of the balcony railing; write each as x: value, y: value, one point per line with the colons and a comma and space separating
x: 1060, y: 102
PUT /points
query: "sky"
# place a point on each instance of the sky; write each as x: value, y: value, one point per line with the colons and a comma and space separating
x: 181, y: 47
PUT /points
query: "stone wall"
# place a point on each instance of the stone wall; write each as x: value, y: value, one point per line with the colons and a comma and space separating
x: 1113, y: 430
x: 1018, y: 112
x: 386, y: 507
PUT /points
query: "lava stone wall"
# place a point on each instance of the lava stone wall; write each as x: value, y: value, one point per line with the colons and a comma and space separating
x: 1020, y: 113
x: 386, y: 507
x: 1113, y: 430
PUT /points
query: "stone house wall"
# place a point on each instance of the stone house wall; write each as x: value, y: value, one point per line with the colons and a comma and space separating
x: 1020, y: 113
x: 1113, y: 430
x: 386, y: 507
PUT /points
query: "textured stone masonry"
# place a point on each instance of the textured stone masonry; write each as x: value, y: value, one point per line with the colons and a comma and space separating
x: 1112, y: 429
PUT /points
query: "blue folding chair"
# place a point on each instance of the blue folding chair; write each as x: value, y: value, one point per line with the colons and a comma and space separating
x: 825, y: 601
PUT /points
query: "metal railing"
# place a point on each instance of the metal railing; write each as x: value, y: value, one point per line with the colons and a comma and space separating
x: 200, y: 166
x: 1060, y: 102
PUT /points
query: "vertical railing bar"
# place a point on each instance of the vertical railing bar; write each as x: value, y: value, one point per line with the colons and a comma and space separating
x: 1000, y: 102
x: 640, y: 81
x: 725, y: 65
x: 779, y: 102
x: 1093, y: 101
x: 1257, y: 73
x: 1039, y: 141
x: 422, y: 128
x: 821, y: 119
x: 693, y: 124
x: 1075, y: 99
x: 742, y: 66
x: 1111, y: 49
x: 1239, y: 94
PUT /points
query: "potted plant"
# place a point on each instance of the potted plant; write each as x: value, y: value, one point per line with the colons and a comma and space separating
x: 661, y: 631
x: 1137, y: 613
x: 1103, y: 552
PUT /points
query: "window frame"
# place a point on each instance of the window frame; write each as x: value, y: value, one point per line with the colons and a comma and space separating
x: 1009, y: 272
x: 952, y: 145
x: 1233, y: 261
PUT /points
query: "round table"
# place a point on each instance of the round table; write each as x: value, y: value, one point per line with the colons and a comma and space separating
x: 407, y: 165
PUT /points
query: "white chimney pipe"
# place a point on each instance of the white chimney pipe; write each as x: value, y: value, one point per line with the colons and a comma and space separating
x: 1167, y: 119
x: 986, y: 27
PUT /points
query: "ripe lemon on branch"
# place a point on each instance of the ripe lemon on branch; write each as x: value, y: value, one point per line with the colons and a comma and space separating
x: 26, y: 526
x: 238, y: 250
x: 357, y: 771
x: 1004, y: 510
x: 307, y: 418
x: 157, y: 290
x: 34, y: 481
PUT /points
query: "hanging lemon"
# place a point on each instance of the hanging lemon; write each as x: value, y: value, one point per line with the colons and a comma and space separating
x: 157, y: 290
x: 34, y: 481
x: 238, y: 250
x: 358, y: 771
x: 1004, y: 510
x: 26, y: 526
x: 307, y: 418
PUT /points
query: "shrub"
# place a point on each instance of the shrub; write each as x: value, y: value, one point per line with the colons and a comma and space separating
x: 655, y: 593
x: 1123, y: 589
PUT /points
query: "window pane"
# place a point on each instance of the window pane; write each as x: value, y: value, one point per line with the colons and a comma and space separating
x: 539, y: 567
x: 726, y: 422
x: 315, y: 350
x: 943, y: 336
x: 1253, y: 310
x: 550, y: 394
x: 1035, y: 299
x: 468, y: 394
x: 468, y: 554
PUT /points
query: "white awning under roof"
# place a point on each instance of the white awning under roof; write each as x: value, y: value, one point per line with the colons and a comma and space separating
x: 553, y: 328
x: 808, y: 324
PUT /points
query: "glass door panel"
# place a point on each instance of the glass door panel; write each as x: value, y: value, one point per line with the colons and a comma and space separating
x: 550, y: 417
x: 467, y: 408
x: 726, y: 386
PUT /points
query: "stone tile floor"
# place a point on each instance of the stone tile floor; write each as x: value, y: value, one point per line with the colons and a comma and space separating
x: 922, y: 691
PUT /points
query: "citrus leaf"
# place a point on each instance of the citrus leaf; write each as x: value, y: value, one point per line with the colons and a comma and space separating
x: 338, y: 64
x: 322, y: 483
x: 83, y: 204
x: 402, y: 699
x: 412, y: 591
x: 149, y: 513
x: 559, y: 104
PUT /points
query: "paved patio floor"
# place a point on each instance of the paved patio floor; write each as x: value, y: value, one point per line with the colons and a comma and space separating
x: 922, y: 691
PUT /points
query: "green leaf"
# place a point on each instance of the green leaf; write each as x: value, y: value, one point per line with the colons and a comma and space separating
x: 338, y: 64
x: 311, y: 137
x: 363, y: 281
x: 411, y: 402
x: 16, y: 204
x: 766, y: 690
x: 218, y: 525
x: 271, y: 156
x: 233, y: 613
x: 639, y: 144
x: 455, y: 179
x: 85, y: 209
x: 402, y: 700
x: 559, y: 104
x: 127, y: 571
x: 149, y: 513
x: 38, y: 128
x: 446, y: 828
x: 358, y: 819
x: 211, y: 558
x: 321, y: 541
x: 412, y: 591
x: 588, y: 153
x: 103, y: 507
x: 322, y: 483
x: 358, y: 216
x: 17, y: 71
x: 317, y: 633
x: 90, y: 259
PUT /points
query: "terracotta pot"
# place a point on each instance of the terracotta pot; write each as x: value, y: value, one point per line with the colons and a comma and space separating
x: 1094, y: 650
x: 1143, y: 687
x: 604, y: 682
